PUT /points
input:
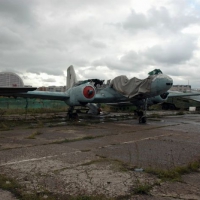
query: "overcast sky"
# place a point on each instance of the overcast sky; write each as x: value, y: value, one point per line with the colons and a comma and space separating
x: 102, y: 39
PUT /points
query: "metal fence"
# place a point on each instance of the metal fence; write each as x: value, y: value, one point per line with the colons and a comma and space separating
x: 20, y: 103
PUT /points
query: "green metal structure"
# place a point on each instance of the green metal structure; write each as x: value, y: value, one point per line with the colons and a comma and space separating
x: 20, y: 103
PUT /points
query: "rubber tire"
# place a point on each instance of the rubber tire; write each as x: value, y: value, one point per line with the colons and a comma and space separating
x: 142, y: 120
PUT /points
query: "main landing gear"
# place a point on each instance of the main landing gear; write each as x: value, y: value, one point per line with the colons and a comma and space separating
x: 71, y: 115
x: 142, y: 114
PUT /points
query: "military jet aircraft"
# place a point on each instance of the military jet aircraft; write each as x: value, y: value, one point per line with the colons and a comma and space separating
x: 138, y: 92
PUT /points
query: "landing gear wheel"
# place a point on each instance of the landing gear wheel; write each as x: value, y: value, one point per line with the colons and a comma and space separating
x: 142, y: 120
x: 138, y: 113
x: 72, y: 115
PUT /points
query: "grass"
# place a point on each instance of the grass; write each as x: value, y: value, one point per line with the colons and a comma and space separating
x: 4, y: 127
x: 18, y: 191
x: 85, y: 150
x: 154, y: 115
x: 21, y: 193
x: 33, y: 135
x: 142, y: 189
x: 94, y: 162
x: 180, y: 113
x: 166, y: 175
x: 117, y: 164
x: 97, y: 197
x: 138, y: 189
x: 10, y: 185
x: 77, y: 139
x: 175, y: 173
x: 32, y: 111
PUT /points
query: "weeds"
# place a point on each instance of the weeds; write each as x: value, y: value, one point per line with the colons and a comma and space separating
x: 155, y: 115
x: 40, y: 124
x: 85, y: 150
x: 2, y: 113
x: 4, y: 127
x: 142, y: 188
x: 18, y: 191
x: 33, y: 135
x: 77, y: 139
x: 99, y: 197
x: 10, y: 185
x: 94, y: 162
x: 34, y: 110
x: 175, y: 174
x: 180, y: 113
x: 117, y: 164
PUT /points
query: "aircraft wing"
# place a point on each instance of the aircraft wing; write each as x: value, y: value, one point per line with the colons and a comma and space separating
x: 29, y: 93
x: 182, y: 94
x: 120, y: 104
x: 15, y: 90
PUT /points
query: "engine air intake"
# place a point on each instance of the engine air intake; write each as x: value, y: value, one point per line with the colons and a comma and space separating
x: 88, y: 92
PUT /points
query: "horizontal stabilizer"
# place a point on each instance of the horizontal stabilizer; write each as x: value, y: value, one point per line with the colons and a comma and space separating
x: 15, y: 90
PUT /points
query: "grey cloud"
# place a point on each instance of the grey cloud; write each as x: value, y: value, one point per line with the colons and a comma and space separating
x: 50, y: 80
x: 136, y: 21
x: 88, y: 73
x: 161, y: 19
x: 45, y: 69
x: 98, y: 44
x: 91, y: 72
x: 130, y: 61
x: 24, y: 77
x: 186, y: 70
x: 134, y: 59
x: 20, y: 11
x: 9, y: 39
x: 51, y: 43
x: 176, y: 51
x: 110, y: 62
x: 80, y: 34
x: 77, y: 5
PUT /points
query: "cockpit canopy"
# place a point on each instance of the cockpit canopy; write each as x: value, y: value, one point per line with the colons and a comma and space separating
x: 94, y: 81
x: 155, y: 72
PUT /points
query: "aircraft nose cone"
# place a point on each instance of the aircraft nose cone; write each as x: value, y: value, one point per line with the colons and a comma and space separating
x: 166, y: 82
x: 162, y: 83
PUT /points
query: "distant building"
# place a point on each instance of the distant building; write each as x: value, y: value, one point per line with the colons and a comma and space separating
x: 9, y: 79
x: 181, y: 88
x: 43, y: 88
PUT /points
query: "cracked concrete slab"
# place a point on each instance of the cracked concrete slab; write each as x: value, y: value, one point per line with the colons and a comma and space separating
x: 5, y: 195
x: 93, y: 158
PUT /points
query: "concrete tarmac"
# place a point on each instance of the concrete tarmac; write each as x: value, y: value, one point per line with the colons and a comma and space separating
x: 86, y: 158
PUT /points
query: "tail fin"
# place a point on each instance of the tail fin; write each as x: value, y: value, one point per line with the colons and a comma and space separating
x: 71, y: 77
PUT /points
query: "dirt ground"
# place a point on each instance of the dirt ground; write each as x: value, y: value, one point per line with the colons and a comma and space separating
x: 109, y: 156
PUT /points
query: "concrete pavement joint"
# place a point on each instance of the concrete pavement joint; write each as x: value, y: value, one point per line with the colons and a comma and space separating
x: 79, y: 139
x: 78, y: 151
x: 37, y: 159
x: 133, y: 141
